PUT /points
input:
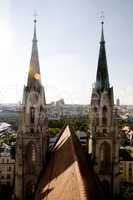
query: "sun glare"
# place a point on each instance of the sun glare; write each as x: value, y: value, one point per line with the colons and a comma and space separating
x: 37, y: 76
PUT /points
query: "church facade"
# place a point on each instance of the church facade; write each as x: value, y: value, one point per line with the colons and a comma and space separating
x: 67, y: 156
x: 104, y: 133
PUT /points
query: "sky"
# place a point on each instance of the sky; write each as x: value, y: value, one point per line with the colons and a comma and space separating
x: 68, y: 33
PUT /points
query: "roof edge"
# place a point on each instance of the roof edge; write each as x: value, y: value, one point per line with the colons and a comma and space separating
x: 60, y: 134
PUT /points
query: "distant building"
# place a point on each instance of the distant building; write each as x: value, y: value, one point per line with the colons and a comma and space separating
x: 58, y: 110
x: 7, y: 168
x: 4, y: 128
x: 83, y: 138
x: 126, y: 165
x: 10, y: 107
x: 118, y: 102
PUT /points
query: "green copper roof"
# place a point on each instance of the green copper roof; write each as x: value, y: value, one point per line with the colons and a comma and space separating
x: 102, y: 78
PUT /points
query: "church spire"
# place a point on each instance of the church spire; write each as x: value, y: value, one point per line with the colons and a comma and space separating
x: 34, y: 36
x: 102, y: 78
x: 102, y: 34
x: 34, y: 69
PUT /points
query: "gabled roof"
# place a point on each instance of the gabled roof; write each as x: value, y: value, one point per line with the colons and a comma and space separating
x: 68, y: 175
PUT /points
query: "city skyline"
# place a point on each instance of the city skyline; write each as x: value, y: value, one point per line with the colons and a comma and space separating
x: 68, y: 35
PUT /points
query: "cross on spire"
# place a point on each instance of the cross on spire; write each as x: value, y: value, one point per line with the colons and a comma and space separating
x: 102, y: 17
x: 35, y: 16
x: 102, y: 22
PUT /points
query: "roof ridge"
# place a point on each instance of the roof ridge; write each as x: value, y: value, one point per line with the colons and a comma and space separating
x: 68, y: 174
x: 81, y: 184
x: 83, y: 194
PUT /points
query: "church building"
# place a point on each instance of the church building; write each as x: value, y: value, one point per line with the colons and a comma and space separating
x: 65, y: 171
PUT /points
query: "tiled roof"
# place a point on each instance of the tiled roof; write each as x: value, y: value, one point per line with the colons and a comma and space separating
x: 68, y: 175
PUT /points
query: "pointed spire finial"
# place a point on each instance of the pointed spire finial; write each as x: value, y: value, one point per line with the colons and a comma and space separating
x: 102, y: 17
x: 35, y: 21
x: 102, y: 22
x: 34, y: 70
x: 35, y: 17
x: 102, y: 78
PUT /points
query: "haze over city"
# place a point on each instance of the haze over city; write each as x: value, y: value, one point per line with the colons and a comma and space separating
x: 68, y: 33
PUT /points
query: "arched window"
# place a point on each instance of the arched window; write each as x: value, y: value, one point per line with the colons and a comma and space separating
x: 105, y: 156
x: 104, y: 115
x: 32, y: 114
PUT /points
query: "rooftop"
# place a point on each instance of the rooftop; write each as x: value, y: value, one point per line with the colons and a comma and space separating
x: 68, y: 175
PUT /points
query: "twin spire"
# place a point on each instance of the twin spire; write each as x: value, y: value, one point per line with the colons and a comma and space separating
x: 34, y: 76
x: 102, y: 77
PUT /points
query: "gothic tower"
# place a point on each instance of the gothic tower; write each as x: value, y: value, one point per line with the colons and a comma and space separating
x: 32, y: 136
x: 103, y: 127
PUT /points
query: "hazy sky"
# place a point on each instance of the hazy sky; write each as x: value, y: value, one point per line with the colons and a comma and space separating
x: 68, y: 34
